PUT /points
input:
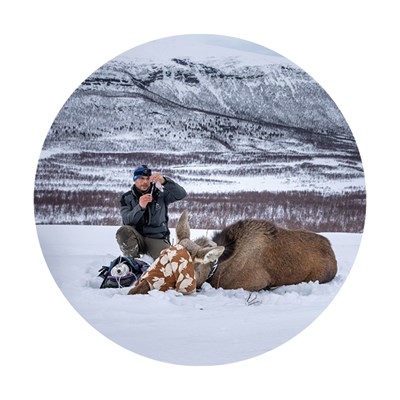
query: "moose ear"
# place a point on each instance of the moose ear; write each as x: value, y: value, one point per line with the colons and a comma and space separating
x: 213, y: 254
x: 182, y: 227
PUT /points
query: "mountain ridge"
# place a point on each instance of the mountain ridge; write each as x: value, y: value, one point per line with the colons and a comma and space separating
x: 169, y: 96
x: 222, y: 129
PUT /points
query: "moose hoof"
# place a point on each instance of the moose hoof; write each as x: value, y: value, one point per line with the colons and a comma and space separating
x: 142, y: 288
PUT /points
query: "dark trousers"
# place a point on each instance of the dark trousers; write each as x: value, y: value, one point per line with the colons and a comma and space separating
x: 132, y: 243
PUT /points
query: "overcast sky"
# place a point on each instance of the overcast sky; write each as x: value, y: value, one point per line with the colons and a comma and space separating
x: 201, y: 47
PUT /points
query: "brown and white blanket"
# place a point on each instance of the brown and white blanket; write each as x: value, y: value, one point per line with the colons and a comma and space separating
x: 173, y: 269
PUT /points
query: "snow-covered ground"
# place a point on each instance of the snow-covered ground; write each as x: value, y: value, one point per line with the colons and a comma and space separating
x: 211, y: 327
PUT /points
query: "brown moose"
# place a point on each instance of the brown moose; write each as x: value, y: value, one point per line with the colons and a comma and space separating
x: 255, y: 255
x: 259, y: 255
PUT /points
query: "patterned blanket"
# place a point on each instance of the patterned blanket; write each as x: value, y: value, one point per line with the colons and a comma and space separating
x: 173, y: 269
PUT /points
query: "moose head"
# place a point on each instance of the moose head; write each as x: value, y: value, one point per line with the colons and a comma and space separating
x: 203, y: 251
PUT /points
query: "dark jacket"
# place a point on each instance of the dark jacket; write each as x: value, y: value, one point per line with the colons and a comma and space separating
x: 153, y: 220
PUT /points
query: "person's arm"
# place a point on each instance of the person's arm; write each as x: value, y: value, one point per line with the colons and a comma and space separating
x: 130, y: 216
x: 173, y: 191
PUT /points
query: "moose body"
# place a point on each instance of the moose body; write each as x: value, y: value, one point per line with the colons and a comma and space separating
x: 254, y: 255
x: 259, y: 255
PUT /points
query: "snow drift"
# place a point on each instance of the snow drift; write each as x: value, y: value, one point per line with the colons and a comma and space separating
x: 211, y: 327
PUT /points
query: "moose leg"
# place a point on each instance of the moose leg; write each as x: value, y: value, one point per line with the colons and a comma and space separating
x: 244, y: 275
x: 142, y: 288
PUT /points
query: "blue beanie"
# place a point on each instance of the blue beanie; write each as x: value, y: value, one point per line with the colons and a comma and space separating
x: 141, y: 171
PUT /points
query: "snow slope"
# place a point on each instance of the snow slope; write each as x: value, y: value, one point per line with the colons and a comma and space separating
x: 211, y: 327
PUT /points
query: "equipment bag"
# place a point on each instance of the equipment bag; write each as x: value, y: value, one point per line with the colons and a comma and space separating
x: 122, y: 272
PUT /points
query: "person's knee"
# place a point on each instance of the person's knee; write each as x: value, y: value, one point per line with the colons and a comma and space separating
x: 124, y: 232
x: 128, y: 241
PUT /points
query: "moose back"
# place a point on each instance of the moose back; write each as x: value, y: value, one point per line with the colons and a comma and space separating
x: 258, y: 254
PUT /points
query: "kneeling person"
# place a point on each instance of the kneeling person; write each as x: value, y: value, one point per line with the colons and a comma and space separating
x: 144, y: 212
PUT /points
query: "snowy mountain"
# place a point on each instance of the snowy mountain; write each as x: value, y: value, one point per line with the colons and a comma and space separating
x: 223, y: 103
x: 218, y: 115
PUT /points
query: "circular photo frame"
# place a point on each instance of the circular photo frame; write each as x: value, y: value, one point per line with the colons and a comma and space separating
x: 238, y: 149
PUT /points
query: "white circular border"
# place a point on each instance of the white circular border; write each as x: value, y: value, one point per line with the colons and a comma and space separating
x: 346, y: 49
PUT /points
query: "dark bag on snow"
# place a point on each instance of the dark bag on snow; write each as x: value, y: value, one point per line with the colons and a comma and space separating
x: 122, y: 272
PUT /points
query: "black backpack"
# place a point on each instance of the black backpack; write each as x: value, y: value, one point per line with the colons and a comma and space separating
x: 122, y: 272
